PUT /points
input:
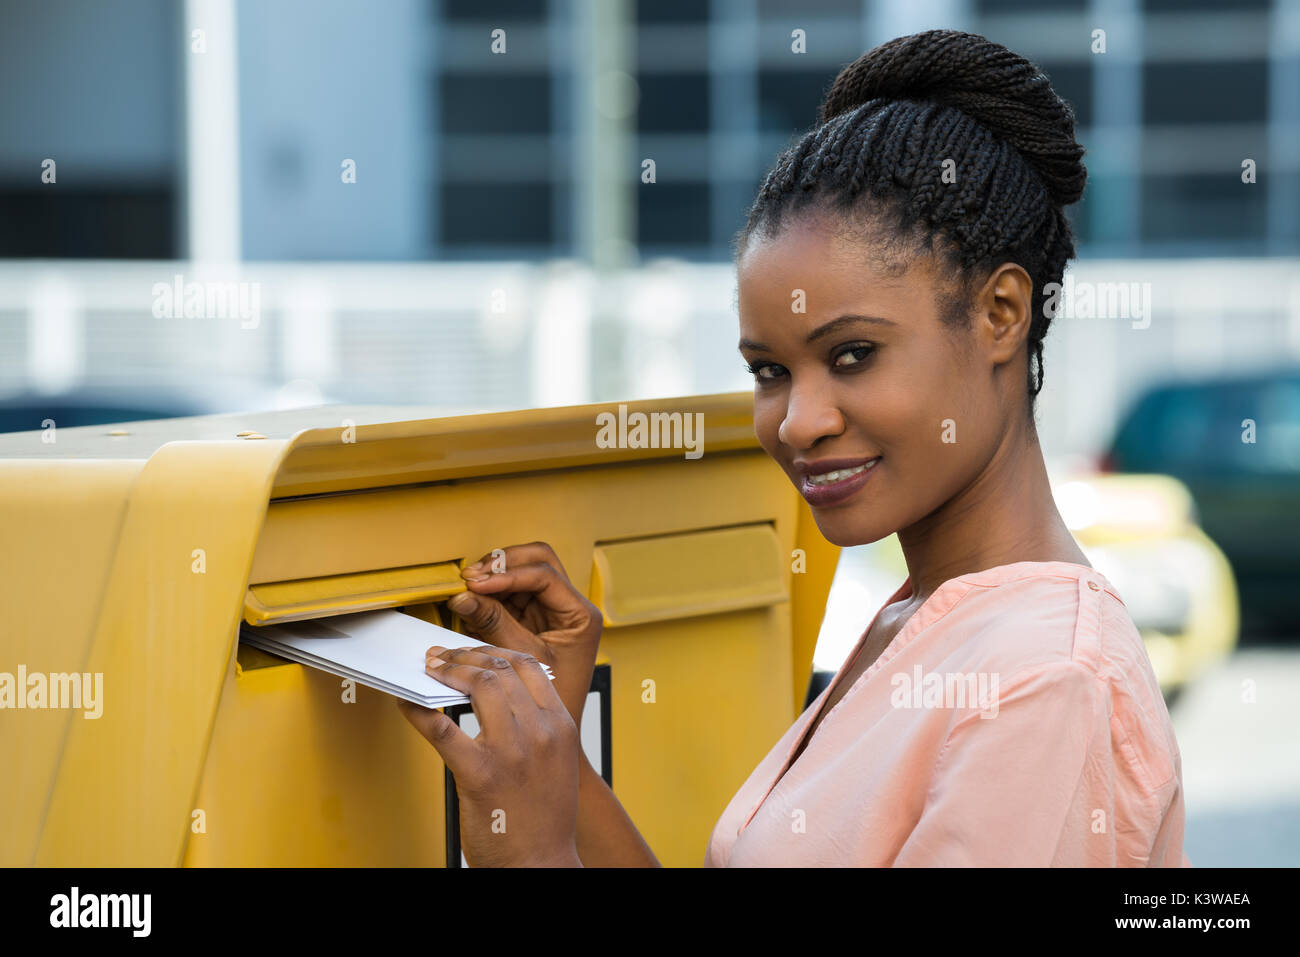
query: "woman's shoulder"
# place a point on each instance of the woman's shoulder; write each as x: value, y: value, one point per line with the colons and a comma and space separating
x: 1030, y: 615
x: 1021, y: 621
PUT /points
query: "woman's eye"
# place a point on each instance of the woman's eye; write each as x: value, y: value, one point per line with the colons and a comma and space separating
x: 764, y: 370
x: 853, y: 356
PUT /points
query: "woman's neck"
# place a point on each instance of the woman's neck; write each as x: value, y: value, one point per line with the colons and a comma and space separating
x: 1006, y: 515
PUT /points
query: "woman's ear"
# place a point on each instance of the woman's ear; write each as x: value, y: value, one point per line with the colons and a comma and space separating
x: 1004, y: 312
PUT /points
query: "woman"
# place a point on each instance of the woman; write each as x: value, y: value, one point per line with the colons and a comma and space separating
x: 892, y: 311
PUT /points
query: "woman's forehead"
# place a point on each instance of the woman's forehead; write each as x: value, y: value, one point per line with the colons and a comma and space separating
x: 815, y: 251
x: 808, y: 278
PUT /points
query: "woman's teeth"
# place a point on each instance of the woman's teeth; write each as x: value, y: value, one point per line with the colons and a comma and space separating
x: 828, y: 478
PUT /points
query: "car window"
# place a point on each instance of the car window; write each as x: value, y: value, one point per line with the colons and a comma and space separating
x: 1133, y: 449
x: 1187, y: 429
x: 1277, y: 438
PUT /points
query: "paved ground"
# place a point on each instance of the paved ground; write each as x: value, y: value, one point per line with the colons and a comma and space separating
x: 1241, y: 760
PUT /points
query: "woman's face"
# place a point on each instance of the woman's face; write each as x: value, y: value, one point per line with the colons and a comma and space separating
x: 877, y: 411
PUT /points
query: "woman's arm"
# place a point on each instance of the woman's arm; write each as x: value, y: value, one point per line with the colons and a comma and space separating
x: 606, y: 835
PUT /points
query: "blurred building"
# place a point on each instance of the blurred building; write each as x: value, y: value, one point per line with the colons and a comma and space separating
x: 507, y: 143
x: 467, y: 153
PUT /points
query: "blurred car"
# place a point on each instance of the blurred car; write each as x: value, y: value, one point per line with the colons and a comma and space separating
x: 1140, y: 531
x: 1235, y: 443
x: 28, y: 411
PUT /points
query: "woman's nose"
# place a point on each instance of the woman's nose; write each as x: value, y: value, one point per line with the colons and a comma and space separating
x: 808, y: 418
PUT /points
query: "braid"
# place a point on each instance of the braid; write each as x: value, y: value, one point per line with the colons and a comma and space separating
x: 888, y: 124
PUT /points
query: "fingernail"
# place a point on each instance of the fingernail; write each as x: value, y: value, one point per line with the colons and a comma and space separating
x: 433, y: 663
x: 463, y: 603
x: 472, y: 568
x: 434, y: 650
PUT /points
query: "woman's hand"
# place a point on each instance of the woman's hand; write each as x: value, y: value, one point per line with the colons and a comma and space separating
x: 518, y: 780
x: 520, y: 598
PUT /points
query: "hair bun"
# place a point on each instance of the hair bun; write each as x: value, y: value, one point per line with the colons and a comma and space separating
x: 983, y: 79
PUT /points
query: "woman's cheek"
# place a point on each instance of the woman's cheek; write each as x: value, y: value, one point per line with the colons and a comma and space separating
x: 767, y: 424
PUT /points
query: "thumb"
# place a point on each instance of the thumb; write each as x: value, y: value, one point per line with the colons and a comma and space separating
x: 453, y: 745
x: 429, y: 722
x: 490, y: 620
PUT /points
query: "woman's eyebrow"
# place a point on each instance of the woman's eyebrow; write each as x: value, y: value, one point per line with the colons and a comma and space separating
x: 822, y: 330
x: 828, y: 328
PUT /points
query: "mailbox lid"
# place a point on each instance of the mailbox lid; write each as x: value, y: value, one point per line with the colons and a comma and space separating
x: 685, y: 575
x: 295, y: 600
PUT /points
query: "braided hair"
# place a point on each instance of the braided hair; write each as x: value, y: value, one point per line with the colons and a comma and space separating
x: 899, y: 116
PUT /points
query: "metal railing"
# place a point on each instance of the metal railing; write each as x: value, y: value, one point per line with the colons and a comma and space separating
x: 496, y: 335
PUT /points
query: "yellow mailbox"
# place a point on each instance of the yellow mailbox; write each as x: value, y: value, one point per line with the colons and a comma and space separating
x: 132, y: 553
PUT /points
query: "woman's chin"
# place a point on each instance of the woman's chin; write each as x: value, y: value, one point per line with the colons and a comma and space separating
x: 846, y: 534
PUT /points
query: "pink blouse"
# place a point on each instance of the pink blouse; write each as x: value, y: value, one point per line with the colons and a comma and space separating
x: 1015, y: 720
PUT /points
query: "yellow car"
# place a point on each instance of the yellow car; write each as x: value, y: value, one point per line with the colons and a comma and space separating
x: 1141, y: 532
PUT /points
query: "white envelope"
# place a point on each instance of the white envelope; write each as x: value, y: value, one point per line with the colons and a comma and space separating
x: 382, y: 649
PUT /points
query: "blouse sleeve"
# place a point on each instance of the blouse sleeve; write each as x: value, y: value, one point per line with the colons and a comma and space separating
x: 1009, y: 789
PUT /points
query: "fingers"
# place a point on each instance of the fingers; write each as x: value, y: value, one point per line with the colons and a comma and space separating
x: 541, y: 579
x: 506, y: 689
x: 528, y: 554
x: 454, y: 745
x: 486, y: 691
x: 530, y: 678
x: 491, y: 621
x: 485, y: 671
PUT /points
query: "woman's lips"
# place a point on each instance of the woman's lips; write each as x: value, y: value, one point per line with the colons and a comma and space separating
x: 838, y: 491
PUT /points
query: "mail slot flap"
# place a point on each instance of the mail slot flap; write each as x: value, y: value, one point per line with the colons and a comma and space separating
x: 273, y: 602
x: 680, y: 576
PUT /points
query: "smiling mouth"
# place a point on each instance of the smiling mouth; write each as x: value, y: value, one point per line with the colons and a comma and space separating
x: 839, y: 475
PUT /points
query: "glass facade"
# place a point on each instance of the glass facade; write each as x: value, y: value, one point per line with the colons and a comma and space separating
x: 466, y: 121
